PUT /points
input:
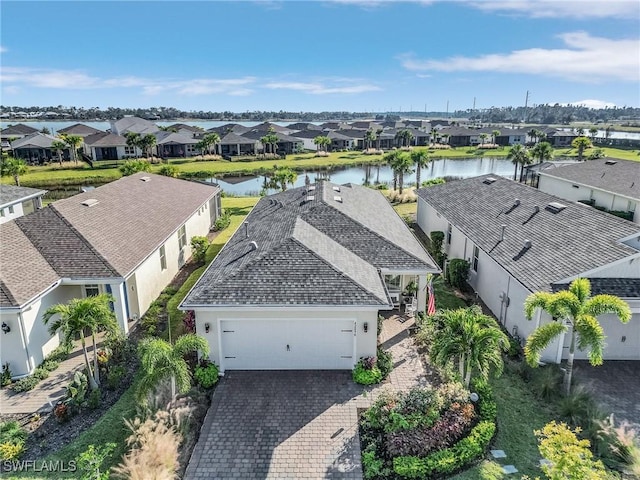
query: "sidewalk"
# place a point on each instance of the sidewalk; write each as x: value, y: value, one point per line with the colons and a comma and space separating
x: 49, y: 390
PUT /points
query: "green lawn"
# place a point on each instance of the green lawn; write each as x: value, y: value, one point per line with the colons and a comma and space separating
x: 406, y: 209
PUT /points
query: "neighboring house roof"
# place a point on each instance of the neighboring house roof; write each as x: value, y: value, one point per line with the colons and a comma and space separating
x: 17, y: 129
x: 234, y: 139
x: 133, y: 124
x: 303, y: 126
x: 229, y: 127
x: 24, y: 273
x: 322, y: 252
x: 621, y: 177
x: 562, y: 133
x: 183, y: 126
x: 266, y: 126
x: 258, y: 134
x: 35, y: 140
x: 353, y: 133
x: 133, y: 217
x: 79, y: 129
x: 10, y: 194
x: 309, y: 134
x: 337, y: 136
x: 564, y: 244
x: 105, y: 139
x: 172, y: 138
x: 620, y: 287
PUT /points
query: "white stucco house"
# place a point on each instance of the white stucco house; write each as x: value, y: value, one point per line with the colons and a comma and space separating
x: 608, y: 183
x: 519, y: 240
x: 18, y: 201
x: 300, y: 284
x: 128, y: 238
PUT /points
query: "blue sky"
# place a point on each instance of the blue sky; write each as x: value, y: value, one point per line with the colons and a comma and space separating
x: 355, y: 55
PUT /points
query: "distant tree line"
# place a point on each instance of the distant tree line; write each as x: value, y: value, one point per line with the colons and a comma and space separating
x: 541, y: 114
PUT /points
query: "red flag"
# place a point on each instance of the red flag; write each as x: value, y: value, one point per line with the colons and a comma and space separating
x: 431, y: 305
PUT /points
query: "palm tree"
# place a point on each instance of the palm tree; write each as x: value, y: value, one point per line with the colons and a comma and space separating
x: 13, y: 167
x: 574, y: 311
x: 74, y: 142
x: 80, y: 314
x: 420, y: 159
x: 282, y: 176
x: 162, y: 361
x: 405, y: 137
x: 472, y: 340
x: 270, y: 139
x: 483, y: 137
x: 533, y: 134
x: 401, y: 165
x: 445, y: 137
x: 390, y: 159
x: 581, y: 143
x: 133, y: 141
x: 369, y: 137
x: 321, y: 142
x: 58, y: 146
x: 580, y: 131
x: 593, y: 131
x: 212, y: 139
x: 542, y: 151
x: 518, y: 155
x: 146, y: 143
x: 495, y: 134
x: 434, y: 135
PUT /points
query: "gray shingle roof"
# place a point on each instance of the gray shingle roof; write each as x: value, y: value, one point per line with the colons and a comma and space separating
x: 17, y: 129
x: 132, y: 217
x: 620, y: 287
x: 10, y: 194
x: 309, y: 252
x: 621, y: 177
x: 564, y: 244
x: 34, y: 140
x: 105, y: 139
x: 79, y: 129
x: 234, y: 139
x: 24, y: 273
x: 168, y: 138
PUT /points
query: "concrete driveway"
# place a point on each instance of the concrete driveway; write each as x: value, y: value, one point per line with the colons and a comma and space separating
x: 295, y: 424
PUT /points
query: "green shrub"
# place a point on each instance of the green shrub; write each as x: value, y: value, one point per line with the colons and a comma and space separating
x: 206, y: 374
x: 168, y: 170
x: 372, y: 466
x: 199, y: 246
x: 458, y: 272
x: 366, y: 374
x: 134, y: 166
x: 546, y: 382
x: 94, y: 399
x: 487, y: 407
x: 380, y: 322
x: 50, y: 365
x: 25, y: 384
x: 115, y: 376
x: 77, y: 390
x: 11, y: 431
x: 384, y: 362
x: 5, y: 377
x: 437, y: 239
x: 222, y: 222
x: 515, y: 349
x: 11, y: 451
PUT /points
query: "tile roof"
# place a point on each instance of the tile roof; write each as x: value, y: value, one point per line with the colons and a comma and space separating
x: 24, y: 273
x: 621, y: 177
x: 575, y: 240
x: 620, y: 287
x: 132, y: 217
x: 10, y: 194
x: 79, y: 129
x: 317, y: 255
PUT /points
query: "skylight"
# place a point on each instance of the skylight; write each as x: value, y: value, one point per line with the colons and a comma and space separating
x: 90, y: 202
x: 555, y: 207
x: 337, y: 198
x: 489, y: 180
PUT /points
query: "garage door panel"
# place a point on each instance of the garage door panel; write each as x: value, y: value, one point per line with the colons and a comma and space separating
x: 287, y: 344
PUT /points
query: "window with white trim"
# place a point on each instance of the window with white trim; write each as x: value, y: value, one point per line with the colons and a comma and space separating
x: 10, y: 208
x: 182, y: 237
x: 163, y: 258
x: 92, y: 290
x: 191, y: 148
x: 476, y: 255
x: 129, y: 150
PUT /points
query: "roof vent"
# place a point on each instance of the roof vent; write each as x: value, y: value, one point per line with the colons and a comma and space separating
x: 336, y: 189
x: 555, y: 207
x: 489, y: 180
x: 610, y: 162
x: 337, y: 198
x: 145, y: 179
x: 310, y: 198
x: 253, y: 246
x: 90, y: 202
x: 312, y: 188
x: 527, y: 244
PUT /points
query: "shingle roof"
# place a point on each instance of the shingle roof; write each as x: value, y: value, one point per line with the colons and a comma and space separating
x: 613, y: 175
x: 168, y: 138
x: 234, y: 139
x: 24, y: 273
x: 10, y: 194
x: 575, y: 240
x: 133, y: 124
x: 79, y: 129
x: 620, y: 287
x: 17, y: 129
x: 105, y: 139
x: 310, y: 252
x: 37, y: 140
x: 133, y: 217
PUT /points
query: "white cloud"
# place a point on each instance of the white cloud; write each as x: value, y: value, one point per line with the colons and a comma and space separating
x: 585, y: 58
x: 562, y: 8
x: 590, y: 103
x: 317, y: 88
x: 3, y: 49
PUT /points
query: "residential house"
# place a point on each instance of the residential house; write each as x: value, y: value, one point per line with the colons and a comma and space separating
x: 307, y: 136
x: 297, y: 127
x: 184, y: 129
x: 171, y: 145
x: 607, y: 183
x: 36, y: 148
x: 286, y: 143
x: 109, y: 146
x: 306, y: 295
x: 133, y: 124
x: 519, y: 240
x: 561, y: 138
x: 18, y: 201
x: 16, y: 131
x: 233, y: 144
x: 510, y: 137
x: 128, y: 238
x: 340, y: 141
x: 79, y: 129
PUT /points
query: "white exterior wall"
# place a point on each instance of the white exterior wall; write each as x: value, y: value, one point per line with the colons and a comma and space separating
x: 17, y: 212
x: 366, y: 343
x: 150, y: 279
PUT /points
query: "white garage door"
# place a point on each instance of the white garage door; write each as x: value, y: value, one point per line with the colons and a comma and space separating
x: 287, y: 344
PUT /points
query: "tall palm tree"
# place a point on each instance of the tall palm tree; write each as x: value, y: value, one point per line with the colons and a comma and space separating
x: 80, y: 314
x: 542, y: 151
x: 390, y: 159
x: 162, y: 361
x: 147, y: 143
x: 282, y: 176
x: 13, y: 167
x: 369, y: 137
x: 533, y: 134
x: 401, y: 165
x: 518, y: 155
x: 495, y: 134
x: 270, y: 140
x: 574, y: 311
x: 420, y: 159
x: 405, y: 137
x: 580, y: 131
x: 133, y: 141
x: 74, y: 142
x: 483, y: 137
x: 581, y: 143
x: 593, y: 132
x: 322, y: 142
x: 212, y: 140
x: 471, y: 340
x: 58, y: 146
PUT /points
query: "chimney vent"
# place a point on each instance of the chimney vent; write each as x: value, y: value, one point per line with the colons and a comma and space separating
x: 527, y: 244
x: 253, y: 246
x: 504, y: 228
x: 246, y: 229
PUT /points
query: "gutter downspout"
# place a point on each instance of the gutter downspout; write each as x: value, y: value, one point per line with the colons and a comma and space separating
x: 25, y: 343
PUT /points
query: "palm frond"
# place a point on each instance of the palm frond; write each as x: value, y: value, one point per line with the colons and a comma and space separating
x: 535, y: 301
x: 564, y: 304
x: 591, y: 337
x: 540, y: 339
x: 602, y: 304
x: 191, y: 343
x: 581, y: 288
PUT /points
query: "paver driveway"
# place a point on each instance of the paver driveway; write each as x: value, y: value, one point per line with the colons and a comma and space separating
x: 294, y: 424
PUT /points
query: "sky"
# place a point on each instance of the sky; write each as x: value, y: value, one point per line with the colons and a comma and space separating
x: 329, y: 55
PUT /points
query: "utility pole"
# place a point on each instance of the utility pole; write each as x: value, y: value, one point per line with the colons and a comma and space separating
x: 474, y: 104
x: 526, y: 103
x: 447, y: 108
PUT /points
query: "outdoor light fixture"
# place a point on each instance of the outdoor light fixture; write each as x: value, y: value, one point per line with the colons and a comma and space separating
x: 5, y: 328
x: 207, y: 327
x: 365, y: 326
x: 474, y: 397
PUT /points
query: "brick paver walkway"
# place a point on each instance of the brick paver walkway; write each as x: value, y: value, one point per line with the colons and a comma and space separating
x: 295, y: 424
x: 49, y: 390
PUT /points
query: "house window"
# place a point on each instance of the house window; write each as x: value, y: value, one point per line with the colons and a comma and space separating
x: 631, y: 206
x: 182, y: 237
x: 10, y: 209
x: 129, y: 150
x: 191, y: 148
x: 476, y: 254
x: 449, y: 235
x: 1, y: 212
x: 392, y: 281
x: 92, y: 290
x: 163, y: 258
